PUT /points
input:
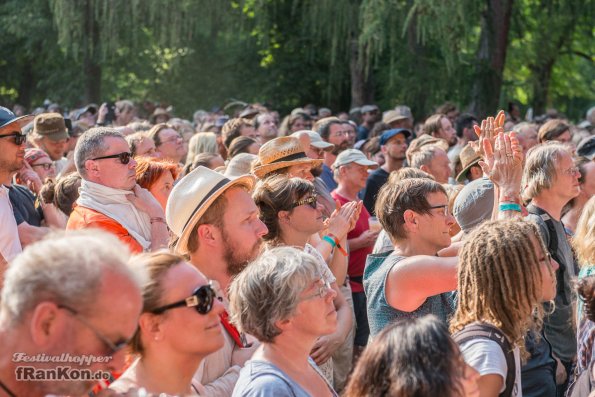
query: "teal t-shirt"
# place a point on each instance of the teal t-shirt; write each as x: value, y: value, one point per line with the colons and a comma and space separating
x: 380, y: 313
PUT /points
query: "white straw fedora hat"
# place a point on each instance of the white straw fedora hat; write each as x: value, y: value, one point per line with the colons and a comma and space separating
x: 192, y: 196
x: 280, y: 153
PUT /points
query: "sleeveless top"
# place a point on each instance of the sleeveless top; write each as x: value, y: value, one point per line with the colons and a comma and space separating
x: 380, y: 313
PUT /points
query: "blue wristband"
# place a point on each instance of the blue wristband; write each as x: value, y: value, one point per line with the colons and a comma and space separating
x: 510, y: 207
x: 330, y: 240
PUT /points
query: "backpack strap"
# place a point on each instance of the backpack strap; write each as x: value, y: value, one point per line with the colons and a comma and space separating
x: 553, y: 249
x: 488, y: 331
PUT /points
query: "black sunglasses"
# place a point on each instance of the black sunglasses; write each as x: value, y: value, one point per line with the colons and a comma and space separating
x: 202, y: 300
x: 124, y: 157
x: 19, y: 138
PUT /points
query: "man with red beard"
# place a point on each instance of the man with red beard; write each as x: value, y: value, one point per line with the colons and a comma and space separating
x: 393, y: 144
x: 218, y: 227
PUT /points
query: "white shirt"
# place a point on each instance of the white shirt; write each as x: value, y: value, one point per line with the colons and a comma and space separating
x: 10, y: 245
x: 487, y: 357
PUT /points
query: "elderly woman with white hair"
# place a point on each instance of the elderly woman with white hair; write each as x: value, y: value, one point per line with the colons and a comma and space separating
x: 285, y: 301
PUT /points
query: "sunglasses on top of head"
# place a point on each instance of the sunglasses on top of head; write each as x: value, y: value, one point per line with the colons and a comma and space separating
x: 19, y: 138
x: 202, y: 299
x: 312, y: 201
x: 124, y: 157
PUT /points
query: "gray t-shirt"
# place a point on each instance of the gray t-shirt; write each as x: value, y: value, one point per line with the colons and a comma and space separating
x: 261, y: 378
x: 558, y: 325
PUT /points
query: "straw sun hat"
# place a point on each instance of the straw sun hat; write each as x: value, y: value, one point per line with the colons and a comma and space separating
x: 280, y: 153
x: 192, y: 196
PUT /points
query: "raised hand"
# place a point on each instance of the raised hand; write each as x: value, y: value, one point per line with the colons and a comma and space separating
x: 503, y: 163
x: 490, y: 128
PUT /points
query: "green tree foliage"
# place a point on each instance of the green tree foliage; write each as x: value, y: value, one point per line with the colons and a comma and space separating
x: 338, y: 53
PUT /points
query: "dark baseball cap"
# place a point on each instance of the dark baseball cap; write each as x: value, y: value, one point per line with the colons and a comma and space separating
x: 7, y: 117
x: 388, y: 134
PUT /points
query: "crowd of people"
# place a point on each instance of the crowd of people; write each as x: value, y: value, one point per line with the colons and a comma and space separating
x: 322, y: 254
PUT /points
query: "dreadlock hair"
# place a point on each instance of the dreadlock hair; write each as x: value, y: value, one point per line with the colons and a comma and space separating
x: 586, y: 291
x: 499, y: 280
x: 278, y: 193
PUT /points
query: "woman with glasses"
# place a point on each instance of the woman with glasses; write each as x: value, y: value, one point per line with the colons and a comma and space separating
x: 178, y: 327
x: 286, y: 302
x: 289, y: 209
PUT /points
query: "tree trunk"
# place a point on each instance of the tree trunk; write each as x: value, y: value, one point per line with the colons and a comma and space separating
x: 26, y: 85
x: 541, y: 86
x: 91, y: 67
x: 362, y: 89
x: 491, y: 57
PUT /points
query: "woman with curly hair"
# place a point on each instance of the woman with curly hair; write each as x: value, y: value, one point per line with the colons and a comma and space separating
x: 505, y: 274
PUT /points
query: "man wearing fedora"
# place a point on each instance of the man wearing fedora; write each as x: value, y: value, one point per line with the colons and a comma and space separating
x: 470, y: 169
x: 110, y: 199
x: 218, y: 228
x: 12, y: 158
x: 393, y: 144
x: 50, y: 135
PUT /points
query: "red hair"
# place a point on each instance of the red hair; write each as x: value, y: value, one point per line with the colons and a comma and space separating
x: 150, y: 169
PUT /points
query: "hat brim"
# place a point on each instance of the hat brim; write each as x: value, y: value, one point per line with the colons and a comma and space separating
x: 367, y: 163
x: 463, y: 174
x: 395, y: 118
x: 322, y: 145
x: 21, y: 121
x: 262, y: 170
x: 182, y: 244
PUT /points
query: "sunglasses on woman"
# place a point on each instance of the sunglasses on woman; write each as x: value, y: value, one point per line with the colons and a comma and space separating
x: 312, y: 201
x: 19, y: 138
x: 202, y: 299
x: 124, y: 157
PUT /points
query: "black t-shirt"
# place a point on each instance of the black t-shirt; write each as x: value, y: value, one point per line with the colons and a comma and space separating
x: 23, y: 206
x: 375, y: 181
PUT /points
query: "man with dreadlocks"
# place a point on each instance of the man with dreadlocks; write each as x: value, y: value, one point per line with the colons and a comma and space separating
x: 505, y: 273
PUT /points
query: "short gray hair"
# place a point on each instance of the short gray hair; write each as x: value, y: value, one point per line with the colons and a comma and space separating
x: 424, y: 155
x: 90, y: 145
x: 540, y: 167
x: 268, y: 290
x: 521, y: 127
x: 65, y: 268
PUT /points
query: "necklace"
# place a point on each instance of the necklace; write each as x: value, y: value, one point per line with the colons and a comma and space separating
x: 7, y: 390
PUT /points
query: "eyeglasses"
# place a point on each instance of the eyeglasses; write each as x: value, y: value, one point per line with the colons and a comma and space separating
x: 312, y: 201
x: 173, y: 139
x: 444, y: 207
x: 345, y: 133
x: 572, y: 171
x: 45, y: 166
x: 19, y: 138
x: 324, y: 287
x: 124, y: 157
x: 202, y: 299
x: 112, y: 347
